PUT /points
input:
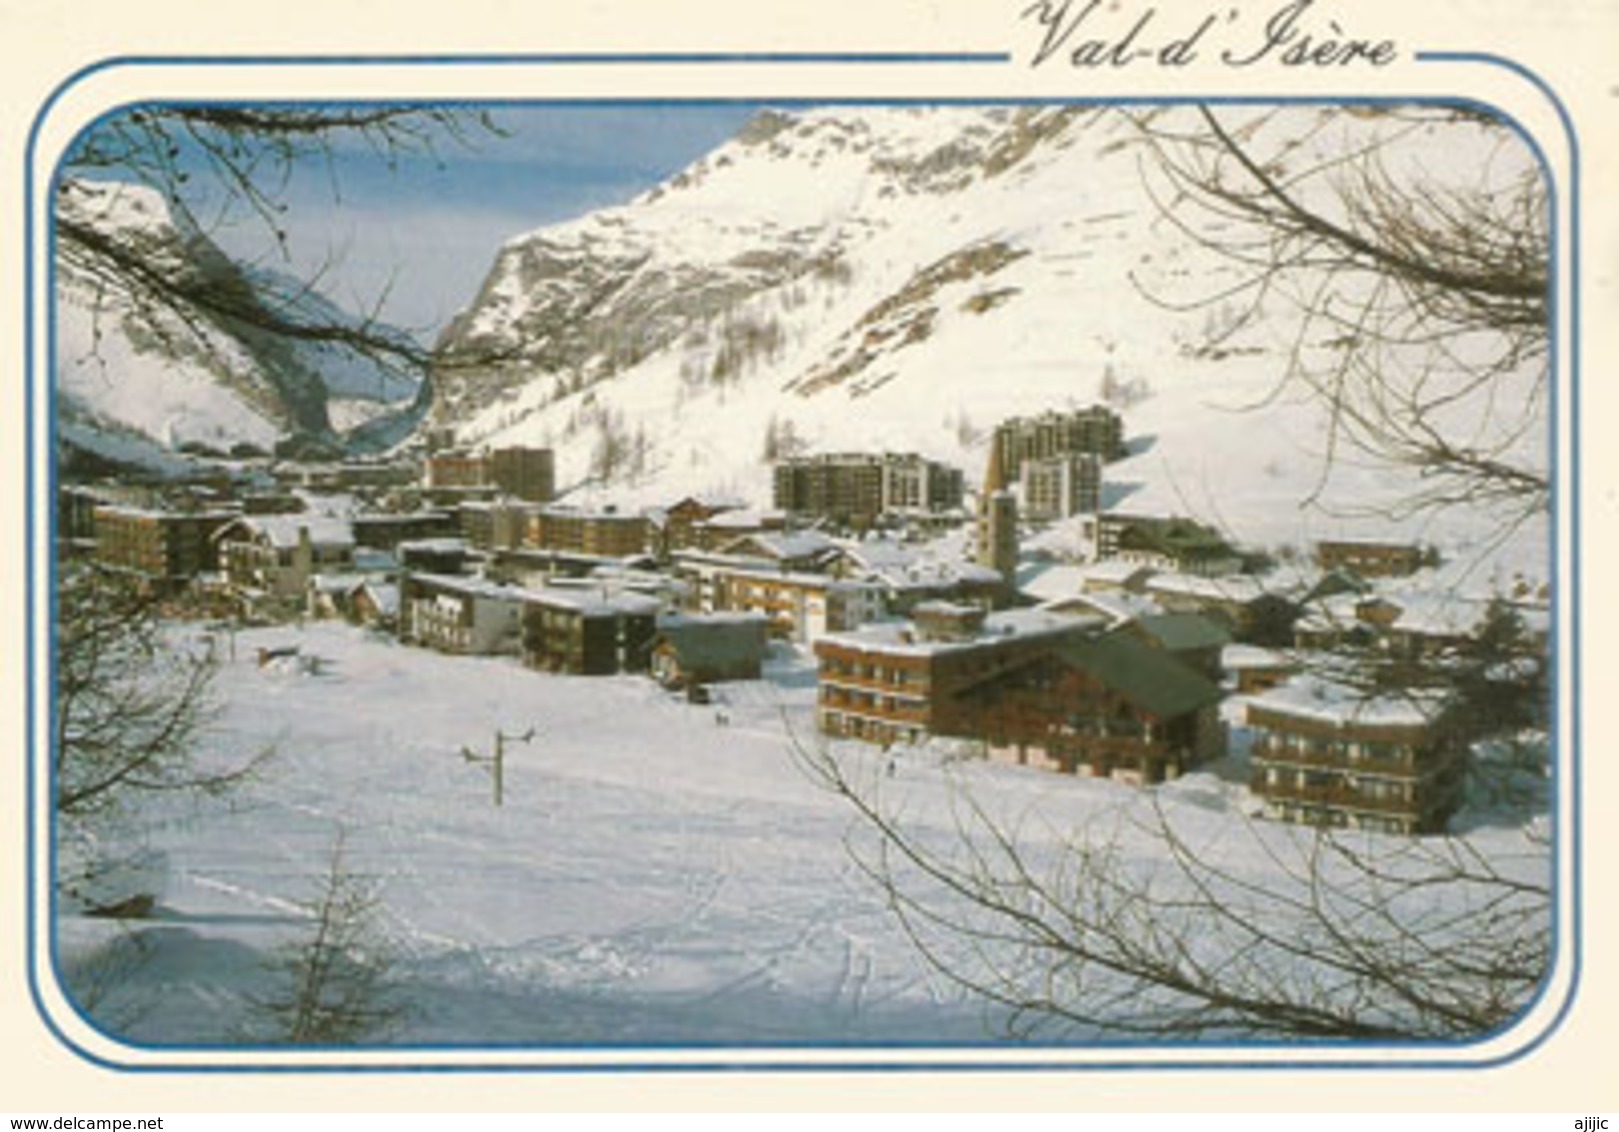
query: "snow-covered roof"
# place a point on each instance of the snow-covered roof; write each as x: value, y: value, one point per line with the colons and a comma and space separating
x: 606, y: 513
x: 903, y: 637
x: 783, y: 545
x: 447, y: 545
x: 709, y: 500
x: 620, y: 574
x: 1045, y: 581
x: 1114, y: 571
x: 744, y: 568
x: 903, y: 565
x: 336, y: 583
x: 385, y: 595
x: 504, y: 504
x: 725, y: 617
x: 1436, y: 614
x: 283, y: 531
x: 160, y: 513
x: 335, y: 504
x: 1234, y: 658
x: 881, y: 554
x: 747, y: 519
x: 472, y: 587
x: 1230, y: 588
x: 1324, y: 699
x: 1118, y: 606
x: 592, y: 601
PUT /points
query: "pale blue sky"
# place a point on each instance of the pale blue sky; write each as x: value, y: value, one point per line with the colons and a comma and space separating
x: 424, y: 234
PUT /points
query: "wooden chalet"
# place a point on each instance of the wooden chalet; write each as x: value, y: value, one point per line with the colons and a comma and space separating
x: 1107, y: 706
x: 375, y: 603
x: 1240, y: 602
x: 331, y: 595
x: 1370, y: 559
x: 1409, y: 626
x: 277, y: 556
x: 1036, y: 688
x: 1333, y: 755
x: 884, y: 683
x: 801, y: 551
x: 1174, y: 544
x: 1431, y: 625
x: 679, y: 525
x: 733, y: 523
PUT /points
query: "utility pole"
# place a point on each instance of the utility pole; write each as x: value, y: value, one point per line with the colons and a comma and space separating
x: 497, y: 761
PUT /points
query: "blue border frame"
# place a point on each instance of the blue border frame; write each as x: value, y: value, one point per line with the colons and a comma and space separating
x: 990, y: 1064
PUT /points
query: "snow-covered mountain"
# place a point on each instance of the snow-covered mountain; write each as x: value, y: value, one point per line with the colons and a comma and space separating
x: 134, y: 371
x: 904, y: 278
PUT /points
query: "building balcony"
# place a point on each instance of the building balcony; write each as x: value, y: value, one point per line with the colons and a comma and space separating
x: 915, y: 690
x: 1340, y: 796
x: 1277, y: 754
x: 898, y: 714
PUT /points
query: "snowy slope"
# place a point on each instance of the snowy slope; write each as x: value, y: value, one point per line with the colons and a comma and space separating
x: 178, y: 375
x: 905, y: 278
x: 141, y: 370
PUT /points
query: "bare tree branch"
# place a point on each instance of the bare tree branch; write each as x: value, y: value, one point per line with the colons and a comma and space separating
x: 1086, y: 935
x: 1424, y: 298
x: 217, y: 166
x: 130, y: 706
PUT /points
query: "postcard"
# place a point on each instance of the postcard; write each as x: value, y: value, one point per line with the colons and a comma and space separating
x: 997, y: 555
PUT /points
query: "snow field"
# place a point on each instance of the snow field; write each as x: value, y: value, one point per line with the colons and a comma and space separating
x: 655, y: 875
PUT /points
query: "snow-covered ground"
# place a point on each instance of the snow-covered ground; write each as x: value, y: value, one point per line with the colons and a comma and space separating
x: 659, y: 872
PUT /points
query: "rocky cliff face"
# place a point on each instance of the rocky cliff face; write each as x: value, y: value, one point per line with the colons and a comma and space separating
x: 786, y: 208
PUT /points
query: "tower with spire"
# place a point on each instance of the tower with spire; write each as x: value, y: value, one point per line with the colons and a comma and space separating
x: 997, y: 518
